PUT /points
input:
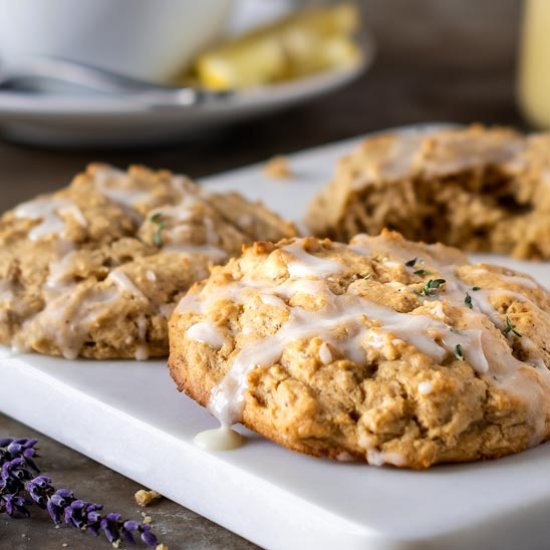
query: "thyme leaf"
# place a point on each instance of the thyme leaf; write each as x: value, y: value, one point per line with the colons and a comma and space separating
x: 157, y: 219
x: 431, y: 287
x: 510, y: 328
x: 459, y: 352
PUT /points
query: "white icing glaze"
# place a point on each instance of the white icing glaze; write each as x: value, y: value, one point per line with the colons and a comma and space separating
x: 59, y: 279
x: 401, y: 158
x: 206, y: 333
x: 66, y: 320
x: 217, y: 254
x: 344, y: 456
x: 306, y: 265
x: 178, y: 220
x: 424, y: 388
x: 523, y: 280
x: 428, y: 335
x: 50, y: 212
x: 142, y: 352
x: 142, y: 349
x: 325, y: 354
x: 219, y: 439
x: 6, y: 291
x: 245, y: 220
x: 151, y: 276
x: 379, y: 458
x: 212, y: 236
x: 272, y: 300
x: 116, y: 185
x: 125, y: 283
x: 166, y: 310
x: 352, y: 324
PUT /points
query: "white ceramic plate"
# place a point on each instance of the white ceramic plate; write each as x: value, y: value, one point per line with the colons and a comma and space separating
x: 87, y: 120
x: 128, y: 416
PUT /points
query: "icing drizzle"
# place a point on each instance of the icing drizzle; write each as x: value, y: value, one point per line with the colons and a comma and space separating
x: 184, y: 228
x: 349, y: 324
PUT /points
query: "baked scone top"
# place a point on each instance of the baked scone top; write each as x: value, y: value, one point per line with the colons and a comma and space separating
x: 95, y: 269
x: 476, y: 188
x: 383, y: 350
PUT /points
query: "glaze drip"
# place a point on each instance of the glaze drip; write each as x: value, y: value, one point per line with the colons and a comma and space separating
x: 349, y: 324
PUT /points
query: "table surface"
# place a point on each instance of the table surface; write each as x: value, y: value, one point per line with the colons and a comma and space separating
x: 437, y: 61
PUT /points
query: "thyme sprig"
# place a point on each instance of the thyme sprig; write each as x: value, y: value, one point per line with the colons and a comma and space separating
x: 510, y: 328
x: 431, y: 287
x: 158, y: 220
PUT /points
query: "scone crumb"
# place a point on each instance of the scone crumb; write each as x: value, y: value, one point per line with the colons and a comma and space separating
x: 278, y: 168
x: 162, y: 547
x: 145, y: 498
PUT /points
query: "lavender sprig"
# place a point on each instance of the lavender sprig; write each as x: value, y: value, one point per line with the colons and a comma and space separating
x: 20, y: 487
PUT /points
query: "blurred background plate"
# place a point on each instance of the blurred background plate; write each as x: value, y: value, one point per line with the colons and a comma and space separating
x: 91, y: 120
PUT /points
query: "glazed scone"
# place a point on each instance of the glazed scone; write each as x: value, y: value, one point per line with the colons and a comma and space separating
x: 95, y: 269
x: 475, y: 188
x: 383, y: 350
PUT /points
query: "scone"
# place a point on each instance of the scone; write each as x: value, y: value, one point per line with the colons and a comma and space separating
x: 475, y: 188
x: 95, y: 269
x: 383, y: 350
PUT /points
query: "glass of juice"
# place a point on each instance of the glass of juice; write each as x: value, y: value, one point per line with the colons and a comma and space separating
x: 534, y: 64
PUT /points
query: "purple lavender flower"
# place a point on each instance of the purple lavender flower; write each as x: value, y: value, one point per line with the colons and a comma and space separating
x: 20, y: 487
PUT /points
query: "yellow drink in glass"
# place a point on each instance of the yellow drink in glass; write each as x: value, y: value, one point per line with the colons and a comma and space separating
x: 534, y: 68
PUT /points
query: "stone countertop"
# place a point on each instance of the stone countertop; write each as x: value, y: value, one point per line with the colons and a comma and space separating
x: 437, y: 61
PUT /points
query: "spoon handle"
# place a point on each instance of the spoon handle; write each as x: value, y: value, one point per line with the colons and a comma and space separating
x: 33, y: 72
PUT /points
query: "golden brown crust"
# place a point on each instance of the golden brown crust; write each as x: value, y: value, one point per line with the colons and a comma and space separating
x: 399, y: 404
x: 476, y: 188
x: 94, y: 269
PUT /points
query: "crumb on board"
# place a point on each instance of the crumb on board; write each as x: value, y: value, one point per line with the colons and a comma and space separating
x: 278, y: 168
x: 147, y: 520
x: 144, y: 497
x: 162, y: 547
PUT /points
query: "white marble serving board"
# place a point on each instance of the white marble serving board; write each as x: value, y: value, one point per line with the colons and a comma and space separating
x: 128, y: 416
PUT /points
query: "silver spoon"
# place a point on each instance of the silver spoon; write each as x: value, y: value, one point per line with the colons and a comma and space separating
x: 32, y: 73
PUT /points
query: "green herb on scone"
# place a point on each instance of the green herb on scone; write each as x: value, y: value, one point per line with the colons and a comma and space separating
x: 476, y: 288
x: 431, y: 287
x: 421, y: 272
x: 156, y: 218
x: 468, y: 301
x: 459, y: 352
x: 411, y: 263
x: 510, y: 328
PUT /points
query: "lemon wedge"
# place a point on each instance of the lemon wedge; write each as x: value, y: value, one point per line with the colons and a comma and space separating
x: 309, y: 41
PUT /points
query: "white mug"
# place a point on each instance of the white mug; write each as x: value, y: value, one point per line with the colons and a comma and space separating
x: 148, y: 39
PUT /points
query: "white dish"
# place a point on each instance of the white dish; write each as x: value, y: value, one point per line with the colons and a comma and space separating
x: 128, y: 416
x: 86, y: 120
x: 134, y: 37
